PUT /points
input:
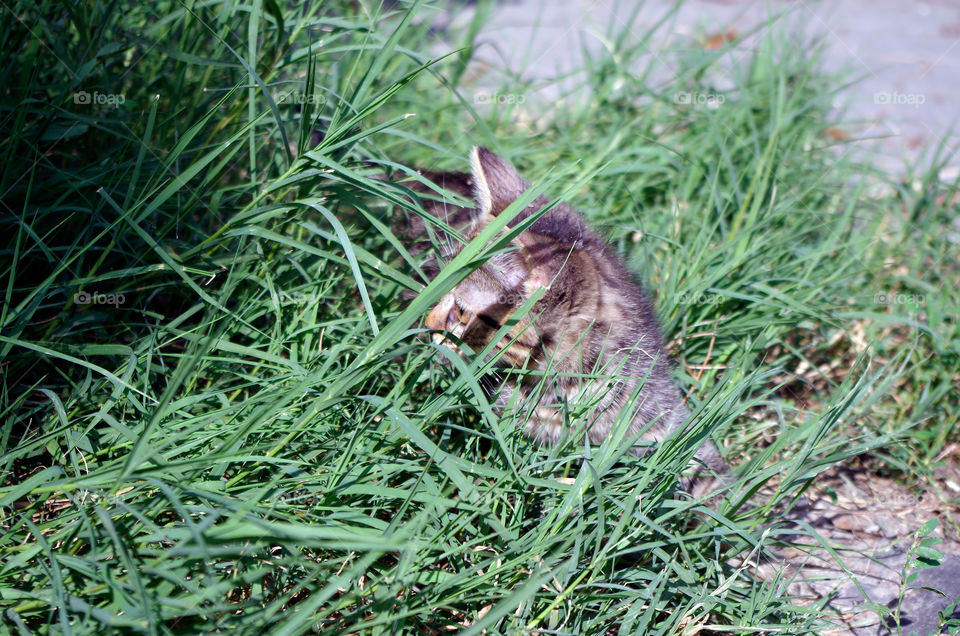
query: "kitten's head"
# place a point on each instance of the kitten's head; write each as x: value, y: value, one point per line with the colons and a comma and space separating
x: 481, y: 303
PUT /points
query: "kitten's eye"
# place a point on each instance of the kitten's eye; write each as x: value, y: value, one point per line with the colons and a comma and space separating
x: 453, y: 317
x: 457, y: 315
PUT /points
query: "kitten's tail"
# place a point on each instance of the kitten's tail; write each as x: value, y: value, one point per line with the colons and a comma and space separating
x: 707, y: 471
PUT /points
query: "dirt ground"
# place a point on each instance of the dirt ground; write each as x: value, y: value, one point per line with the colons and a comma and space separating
x: 868, y: 525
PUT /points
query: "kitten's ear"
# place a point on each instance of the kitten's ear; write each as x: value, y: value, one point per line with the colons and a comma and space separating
x: 497, y: 184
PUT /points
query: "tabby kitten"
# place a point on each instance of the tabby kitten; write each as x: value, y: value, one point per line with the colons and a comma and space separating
x: 592, y: 336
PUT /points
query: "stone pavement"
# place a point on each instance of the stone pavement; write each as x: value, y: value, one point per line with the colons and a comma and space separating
x: 906, y: 54
x: 869, y: 522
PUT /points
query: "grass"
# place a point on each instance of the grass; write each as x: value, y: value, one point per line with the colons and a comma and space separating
x: 217, y: 412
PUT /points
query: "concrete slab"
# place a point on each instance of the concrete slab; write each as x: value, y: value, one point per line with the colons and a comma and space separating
x: 907, y: 53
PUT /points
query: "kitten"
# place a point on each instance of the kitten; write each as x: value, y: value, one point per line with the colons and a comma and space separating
x: 592, y: 339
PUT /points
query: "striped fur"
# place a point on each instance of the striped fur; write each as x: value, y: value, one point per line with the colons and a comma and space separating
x: 592, y: 341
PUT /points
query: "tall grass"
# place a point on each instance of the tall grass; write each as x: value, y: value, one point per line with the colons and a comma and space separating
x: 217, y: 411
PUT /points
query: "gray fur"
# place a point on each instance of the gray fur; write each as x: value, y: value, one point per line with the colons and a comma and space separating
x: 593, y: 318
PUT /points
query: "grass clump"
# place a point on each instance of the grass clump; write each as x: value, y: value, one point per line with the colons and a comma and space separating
x: 217, y: 413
